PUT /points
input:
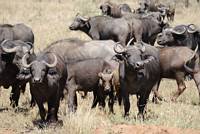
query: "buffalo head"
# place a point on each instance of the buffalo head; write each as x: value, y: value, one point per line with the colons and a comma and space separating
x: 13, y: 51
x: 79, y: 23
x: 144, y: 5
x: 106, y: 80
x: 169, y: 35
x: 106, y: 8
x: 39, y: 68
x: 131, y: 55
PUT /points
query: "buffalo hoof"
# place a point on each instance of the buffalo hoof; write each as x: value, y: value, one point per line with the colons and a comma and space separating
x: 127, y: 117
x: 174, y: 99
x: 40, y: 124
x: 58, y: 123
x: 13, y: 104
x: 140, y: 117
x: 32, y: 104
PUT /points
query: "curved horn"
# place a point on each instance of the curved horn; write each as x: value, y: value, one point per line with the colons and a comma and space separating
x: 190, y: 70
x: 129, y: 42
x: 122, y: 49
x: 31, y: 50
x: 8, y: 50
x: 191, y: 28
x: 83, y: 18
x: 29, y: 43
x: 54, y: 63
x: 24, y: 62
x: 179, y: 33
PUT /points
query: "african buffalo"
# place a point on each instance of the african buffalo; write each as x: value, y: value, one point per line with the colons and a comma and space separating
x: 150, y: 6
x: 16, y: 32
x: 109, y: 82
x: 83, y: 66
x: 47, y: 77
x: 176, y: 63
x: 139, y: 72
x: 115, y: 10
x: 11, y: 53
x: 72, y: 64
x: 181, y: 35
x: 145, y: 28
x: 103, y: 28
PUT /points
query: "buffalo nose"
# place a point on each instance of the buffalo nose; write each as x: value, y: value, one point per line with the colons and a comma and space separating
x: 159, y: 35
x: 107, y: 88
x: 71, y: 27
x: 139, y: 65
x: 37, y: 80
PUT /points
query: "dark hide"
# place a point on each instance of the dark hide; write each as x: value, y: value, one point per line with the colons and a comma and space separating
x: 139, y: 72
x: 172, y: 60
x: 103, y: 28
x: 16, y: 32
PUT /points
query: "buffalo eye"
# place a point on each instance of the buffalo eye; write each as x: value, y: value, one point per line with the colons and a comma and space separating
x: 127, y: 55
x: 52, y: 72
x: 168, y: 34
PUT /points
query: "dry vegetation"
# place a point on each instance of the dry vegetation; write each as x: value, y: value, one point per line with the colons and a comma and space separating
x: 49, y: 20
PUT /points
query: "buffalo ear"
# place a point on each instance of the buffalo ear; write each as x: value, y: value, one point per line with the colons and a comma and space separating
x: 119, y: 57
x: 142, y: 47
x: 100, y: 74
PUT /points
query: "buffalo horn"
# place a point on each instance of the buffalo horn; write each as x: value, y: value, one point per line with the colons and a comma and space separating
x: 24, y: 61
x: 54, y: 63
x: 83, y: 18
x: 179, y: 33
x: 128, y: 44
x: 30, y: 49
x: 8, y: 50
x: 191, y: 28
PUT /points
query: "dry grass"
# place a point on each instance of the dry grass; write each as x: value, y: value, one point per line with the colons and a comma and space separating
x: 49, y: 21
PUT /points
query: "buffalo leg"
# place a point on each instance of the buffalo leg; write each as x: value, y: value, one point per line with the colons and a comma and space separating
x: 95, y: 100
x: 181, y: 85
x: 125, y: 98
x: 141, y: 103
x: 72, y: 98
x: 156, y: 95
x: 196, y: 78
x: 42, y: 111
x: 123, y: 90
x: 53, y: 106
x: 14, y: 96
x: 33, y: 101
x: 101, y: 98
x: 23, y: 88
x: 111, y: 102
x: 118, y: 95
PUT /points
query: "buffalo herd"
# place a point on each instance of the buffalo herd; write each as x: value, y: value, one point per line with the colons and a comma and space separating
x: 120, y: 60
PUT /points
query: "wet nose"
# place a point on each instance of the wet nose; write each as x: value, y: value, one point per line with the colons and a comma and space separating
x: 37, y: 80
x: 139, y: 65
x: 71, y: 27
x: 107, y: 88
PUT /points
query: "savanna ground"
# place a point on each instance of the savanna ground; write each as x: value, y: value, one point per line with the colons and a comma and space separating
x: 49, y: 20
